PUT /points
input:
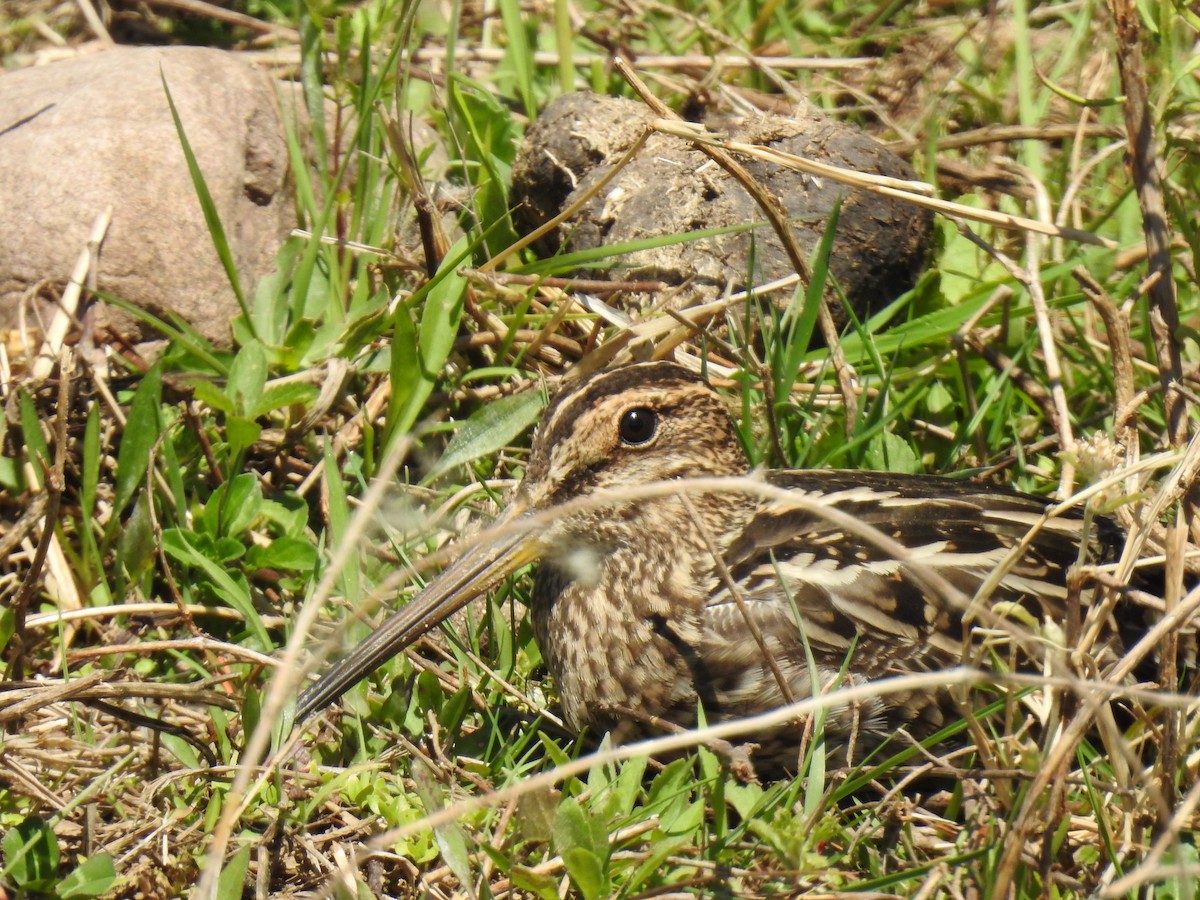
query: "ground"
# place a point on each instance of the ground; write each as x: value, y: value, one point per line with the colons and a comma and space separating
x: 218, y: 513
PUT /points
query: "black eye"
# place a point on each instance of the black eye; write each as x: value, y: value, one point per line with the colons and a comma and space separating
x: 638, y: 425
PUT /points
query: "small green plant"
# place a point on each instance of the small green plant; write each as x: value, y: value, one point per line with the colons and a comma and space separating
x: 31, y: 865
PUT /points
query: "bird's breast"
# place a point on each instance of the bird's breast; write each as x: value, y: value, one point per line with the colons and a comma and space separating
x: 599, y: 616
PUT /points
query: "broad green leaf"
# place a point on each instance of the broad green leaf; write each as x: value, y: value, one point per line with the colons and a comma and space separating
x: 31, y: 854
x: 212, y: 396
x: 744, y: 798
x: 670, y: 787
x: 441, y: 313
x: 814, y: 783
x: 582, y: 842
x: 137, y: 545
x: 247, y: 377
x: 287, y: 553
x: 963, y: 265
x: 370, y: 319
x: 938, y: 397
x: 233, y: 875
x: 226, y: 549
x: 656, y: 858
x: 91, y: 878
x: 289, y: 513
x: 682, y: 817
x: 233, y: 506
x: 887, y: 452
x: 493, y: 426
x: 571, y: 827
x: 296, y: 344
x: 280, y: 396
x: 178, y: 545
x: 220, y: 550
x: 242, y: 433
x: 587, y: 872
x: 454, y: 710
x: 142, y: 430
x: 10, y: 475
x: 576, y: 827
x: 414, y: 375
x: 535, y: 814
x: 8, y: 624
x: 409, y: 387
x: 540, y: 884
x: 600, y: 777
x: 271, y: 304
x: 181, y: 749
x: 628, y: 786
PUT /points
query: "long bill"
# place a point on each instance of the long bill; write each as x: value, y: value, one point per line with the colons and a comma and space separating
x: 477, y: 571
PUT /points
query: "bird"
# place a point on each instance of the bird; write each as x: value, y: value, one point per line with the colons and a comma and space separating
x: 675, y: 583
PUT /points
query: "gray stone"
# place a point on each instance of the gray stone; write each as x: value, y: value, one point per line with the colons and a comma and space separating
x: 96, y: 131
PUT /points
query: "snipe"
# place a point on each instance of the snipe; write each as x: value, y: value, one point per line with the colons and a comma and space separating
x: 655, y: 594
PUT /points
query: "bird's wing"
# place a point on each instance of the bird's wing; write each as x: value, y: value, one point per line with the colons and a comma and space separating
x: 889, y: 567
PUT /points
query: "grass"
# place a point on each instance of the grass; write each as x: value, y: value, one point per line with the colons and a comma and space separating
x: 245, y: 509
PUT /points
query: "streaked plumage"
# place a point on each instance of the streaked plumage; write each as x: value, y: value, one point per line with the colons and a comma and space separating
x: 636, y: 600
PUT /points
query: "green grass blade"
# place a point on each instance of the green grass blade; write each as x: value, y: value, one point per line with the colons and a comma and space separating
x: 180, y: 333
x: 211, y: 217
x: 179, y: 544
x: 519, y: 55
x: 37, y: 451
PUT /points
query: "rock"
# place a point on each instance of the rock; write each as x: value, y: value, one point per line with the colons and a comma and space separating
x: 669, y: 188
x: 94, y: 131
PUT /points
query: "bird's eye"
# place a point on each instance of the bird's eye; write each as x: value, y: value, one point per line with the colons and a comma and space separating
x: 638, y: 425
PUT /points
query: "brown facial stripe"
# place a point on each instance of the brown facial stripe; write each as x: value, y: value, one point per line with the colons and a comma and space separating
x: 581, y: 478
x: 569, y: 405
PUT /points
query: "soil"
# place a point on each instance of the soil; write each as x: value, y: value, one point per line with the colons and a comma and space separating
x: 670, y: 188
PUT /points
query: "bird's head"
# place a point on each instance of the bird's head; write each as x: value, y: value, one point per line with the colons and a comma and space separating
x: 625, y: 428
x: 632, y: 426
